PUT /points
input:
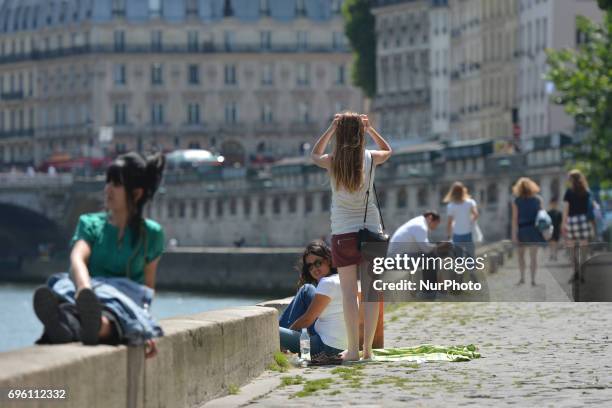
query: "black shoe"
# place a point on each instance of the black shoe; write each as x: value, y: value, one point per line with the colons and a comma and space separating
x: 46, y: 307
x: 90, y: 313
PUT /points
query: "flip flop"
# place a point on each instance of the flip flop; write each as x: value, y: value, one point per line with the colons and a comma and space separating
x: 46, y: 307
x: 90, y: 313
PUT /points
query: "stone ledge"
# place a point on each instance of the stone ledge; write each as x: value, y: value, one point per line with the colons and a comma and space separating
x: 198, y: 359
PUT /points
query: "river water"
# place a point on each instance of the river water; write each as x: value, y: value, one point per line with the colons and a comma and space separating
x: 19, y: 326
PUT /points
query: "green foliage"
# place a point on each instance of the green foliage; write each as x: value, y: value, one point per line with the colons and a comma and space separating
x: 285, y: 381
x: 314, y: 386
x: 280, y: 364
x: 233, y: 389
x: 605, y: 4
x: 359, y: 27
x: 583, y: 82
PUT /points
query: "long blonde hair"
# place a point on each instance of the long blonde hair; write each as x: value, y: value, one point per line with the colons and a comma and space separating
x: 458, y: 193
x: 349, y: 150
x: 525, y: 188
x: 578, y: 183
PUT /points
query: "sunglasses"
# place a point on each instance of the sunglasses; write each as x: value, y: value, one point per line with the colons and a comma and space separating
x: 316, y: 264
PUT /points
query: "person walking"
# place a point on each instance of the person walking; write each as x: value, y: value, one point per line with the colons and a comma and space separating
x: 351, y: 169
x: 578, y: 221
x: 525, y: 234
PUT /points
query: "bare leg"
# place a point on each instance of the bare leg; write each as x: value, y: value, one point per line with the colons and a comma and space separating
x: 348, y: 284
x: 370, y: 317
x: 105, y: 329
x: 533, y: 257
x: 521, y: 262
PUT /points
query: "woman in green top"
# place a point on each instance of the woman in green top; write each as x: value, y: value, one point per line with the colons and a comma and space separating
x: 113, y: 263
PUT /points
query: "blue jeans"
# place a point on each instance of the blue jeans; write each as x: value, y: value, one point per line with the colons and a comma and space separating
x: 290, y: 340
x: 298, y: 307
x: 465, y: 242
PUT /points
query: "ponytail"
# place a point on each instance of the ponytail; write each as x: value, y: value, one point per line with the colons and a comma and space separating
x: 153, y: 174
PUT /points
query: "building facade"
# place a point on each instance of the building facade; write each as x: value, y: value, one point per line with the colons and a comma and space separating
x: 244, y: 78
x: 546, y: 24
x: 403, y: 101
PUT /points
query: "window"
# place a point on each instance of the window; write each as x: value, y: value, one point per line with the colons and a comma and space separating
x: 230, y: 74
x: 265, y: 40
x: 325, y: 202
x: 156, y: 40
x: 229, y: 40
x: 232, y: 206
x: 292, y: 204
x: 266, y: 114
x: 304, y: 112
x: 120, y: 114
x: 219, y: 207
x: 276, y: 205
x: 422, y: 197
x: 402, y: 198
x: 119, y: 74
x: 300, y: 8
x: 302, y: 40
x: 155, y: 8
x: 206, y: 208
x: 193, y: 113
x: 231, y: 112
x: 261, y: 206
x: 157, y: 113
x: 264, y: 7
x: 191, y: 8
x: 192, y: 41
x: 246, y: 205
x: 118, y: 8
x: 194, y: 74
x: 340, y: 75
x: 308, y: 204
x: 337, y: 40
x: 157, y: 74
x: 267, y: 74
x: 194, y: 209
x: 303, y: 74
x: 119, y: 40
x: 492, y: 193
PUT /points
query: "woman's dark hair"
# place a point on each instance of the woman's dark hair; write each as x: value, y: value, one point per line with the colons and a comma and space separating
x: 434, y: 215
x: 317, y: 248
x: 132, y: 171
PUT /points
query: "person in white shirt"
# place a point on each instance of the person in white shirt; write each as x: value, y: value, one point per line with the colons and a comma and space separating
x: 462, y: 214
x: 317, y: 306
x: 413, y: 238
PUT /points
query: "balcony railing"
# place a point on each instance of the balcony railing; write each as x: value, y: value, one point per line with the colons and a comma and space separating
x: 5, y: 134
x: 14, y: 95
x: 203, y: 48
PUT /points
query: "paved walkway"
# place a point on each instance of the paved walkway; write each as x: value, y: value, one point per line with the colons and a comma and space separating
x: 533, y: 354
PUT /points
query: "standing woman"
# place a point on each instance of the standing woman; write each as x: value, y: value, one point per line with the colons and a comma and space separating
x: 349, y: 169
x: 577, y: 216
x: 113, y: 262
x: 462, y: 214
x: 525, y: 209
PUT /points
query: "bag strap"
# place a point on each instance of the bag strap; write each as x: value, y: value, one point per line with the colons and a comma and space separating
x: 365, y: 214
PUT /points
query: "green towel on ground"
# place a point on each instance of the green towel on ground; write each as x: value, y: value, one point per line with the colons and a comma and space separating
x: 427, y: 352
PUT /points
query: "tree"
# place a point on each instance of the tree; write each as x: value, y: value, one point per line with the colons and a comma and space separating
x: 582, y: 78
x: 360, y: 30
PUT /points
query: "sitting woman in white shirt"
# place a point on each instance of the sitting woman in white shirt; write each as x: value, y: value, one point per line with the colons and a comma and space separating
x: 323, y: 316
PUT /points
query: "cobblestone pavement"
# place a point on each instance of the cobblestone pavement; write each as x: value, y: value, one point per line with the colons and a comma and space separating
x: 551, y: 354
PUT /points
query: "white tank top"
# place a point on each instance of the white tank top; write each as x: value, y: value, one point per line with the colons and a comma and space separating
x: 347, y: 209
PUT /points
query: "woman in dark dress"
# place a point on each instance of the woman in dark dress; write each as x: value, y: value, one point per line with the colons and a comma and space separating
x: 524, y: 232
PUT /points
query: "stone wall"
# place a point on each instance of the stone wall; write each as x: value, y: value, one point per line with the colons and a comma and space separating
x: 198, y: 359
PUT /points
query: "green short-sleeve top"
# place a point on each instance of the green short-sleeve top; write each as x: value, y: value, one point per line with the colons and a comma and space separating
x: 109, y: 255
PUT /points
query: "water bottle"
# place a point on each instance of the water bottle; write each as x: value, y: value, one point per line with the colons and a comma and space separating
x: 305, y: 345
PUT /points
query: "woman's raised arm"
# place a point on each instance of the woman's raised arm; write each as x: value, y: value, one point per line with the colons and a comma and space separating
x: 382, y: 155
x: 318, y: 155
